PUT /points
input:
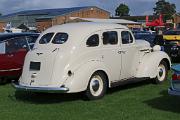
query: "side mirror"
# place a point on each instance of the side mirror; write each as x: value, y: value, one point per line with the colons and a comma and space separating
x: 157, y: 48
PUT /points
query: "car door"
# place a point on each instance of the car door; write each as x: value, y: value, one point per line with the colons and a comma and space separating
x: 129, y: 55
x: 110, y: 53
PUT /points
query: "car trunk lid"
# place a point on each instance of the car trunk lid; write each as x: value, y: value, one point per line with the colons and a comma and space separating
x: 38, y: 68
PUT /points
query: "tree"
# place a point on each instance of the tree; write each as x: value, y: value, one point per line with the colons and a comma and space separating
x: 122, y: 10
x: 165, y: 8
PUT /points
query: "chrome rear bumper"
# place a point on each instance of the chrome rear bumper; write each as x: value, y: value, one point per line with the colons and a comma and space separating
x: 173, y: 92
x: 39, y: 89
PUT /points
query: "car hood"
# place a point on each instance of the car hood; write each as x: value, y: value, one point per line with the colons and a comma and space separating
x: 142, y: 44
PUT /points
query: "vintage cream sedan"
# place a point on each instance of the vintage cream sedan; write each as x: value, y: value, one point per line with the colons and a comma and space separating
x: 90, y: 57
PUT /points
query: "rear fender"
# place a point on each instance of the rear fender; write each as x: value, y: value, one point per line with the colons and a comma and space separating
x: 80, y: 78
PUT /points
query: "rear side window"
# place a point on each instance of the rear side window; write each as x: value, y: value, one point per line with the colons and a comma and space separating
x: 93, y: 41
x: 60, y: 38
x: 126, y: 37
x: 110, y: 37
x: 46, y: 38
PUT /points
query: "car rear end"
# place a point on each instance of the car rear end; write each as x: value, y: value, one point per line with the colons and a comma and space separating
x: 175, y: 81
x: 49, y: 53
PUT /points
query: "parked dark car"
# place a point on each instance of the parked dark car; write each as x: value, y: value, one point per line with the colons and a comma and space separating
x: 13, y: 48
x: 145, y: 35
x: 172, y: 43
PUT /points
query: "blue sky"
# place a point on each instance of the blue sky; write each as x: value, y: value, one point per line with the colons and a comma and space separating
x: 137, y: 7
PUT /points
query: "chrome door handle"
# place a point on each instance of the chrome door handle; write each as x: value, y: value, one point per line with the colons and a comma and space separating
x: 121, y: 52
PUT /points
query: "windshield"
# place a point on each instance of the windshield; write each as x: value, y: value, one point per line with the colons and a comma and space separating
x: 172, y: 33
x: 16, y: 44
x: 60, y: 38
x: 46, y: 38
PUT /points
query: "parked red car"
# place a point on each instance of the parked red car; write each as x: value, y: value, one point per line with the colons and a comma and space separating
x: 13, y: 48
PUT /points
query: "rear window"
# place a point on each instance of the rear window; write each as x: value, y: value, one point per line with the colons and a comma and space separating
x: 46, y: 38
x: 60, y: 38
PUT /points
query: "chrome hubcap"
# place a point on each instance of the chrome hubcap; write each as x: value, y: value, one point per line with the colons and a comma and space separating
x: 95, y: 85
x: 161, y: 72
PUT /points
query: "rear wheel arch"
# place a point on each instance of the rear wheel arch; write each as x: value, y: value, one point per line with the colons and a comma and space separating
x: 97, y: 85
x: 105, y: 74
x: 167, y: 63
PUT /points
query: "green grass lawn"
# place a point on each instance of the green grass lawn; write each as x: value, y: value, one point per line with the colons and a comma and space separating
x: 140, y: 101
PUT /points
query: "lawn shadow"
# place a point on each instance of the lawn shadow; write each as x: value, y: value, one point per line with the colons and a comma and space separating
x: 45, y: 98
x: 165, y: 102
x: 129, y: 86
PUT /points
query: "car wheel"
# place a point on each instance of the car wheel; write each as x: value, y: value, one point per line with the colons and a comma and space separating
x: 97, y: 86
x: 162, y: 73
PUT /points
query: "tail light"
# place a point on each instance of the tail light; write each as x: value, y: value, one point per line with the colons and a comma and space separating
x: 176, y: 77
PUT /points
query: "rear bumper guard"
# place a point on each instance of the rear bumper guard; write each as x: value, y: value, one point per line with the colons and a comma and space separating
x: 19, y: 87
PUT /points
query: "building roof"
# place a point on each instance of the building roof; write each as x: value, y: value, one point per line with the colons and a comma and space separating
x: 116, y: 21
x: 47, y: 12
x: 136, y: 18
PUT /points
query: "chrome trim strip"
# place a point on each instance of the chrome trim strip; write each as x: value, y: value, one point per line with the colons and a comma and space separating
x: 39, y: 89
x: 10, y: 70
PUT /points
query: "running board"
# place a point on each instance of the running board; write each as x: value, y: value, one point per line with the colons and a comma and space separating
x: 127, y: 81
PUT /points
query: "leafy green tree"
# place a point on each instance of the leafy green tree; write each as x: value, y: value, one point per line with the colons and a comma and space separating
x: 122, y: 10
x: 165, y: 8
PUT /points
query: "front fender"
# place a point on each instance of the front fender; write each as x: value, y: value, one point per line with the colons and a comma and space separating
x: 79, y: 80
x: 148, y: 66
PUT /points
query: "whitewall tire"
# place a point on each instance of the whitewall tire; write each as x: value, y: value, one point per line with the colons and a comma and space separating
x: 97, y: 86
x: 161, y: 73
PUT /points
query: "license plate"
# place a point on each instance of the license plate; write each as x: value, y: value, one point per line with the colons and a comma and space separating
x: 35, y: 65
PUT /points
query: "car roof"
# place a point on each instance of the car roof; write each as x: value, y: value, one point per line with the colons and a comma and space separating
x: 86, y: 27
x: 12, y: 35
